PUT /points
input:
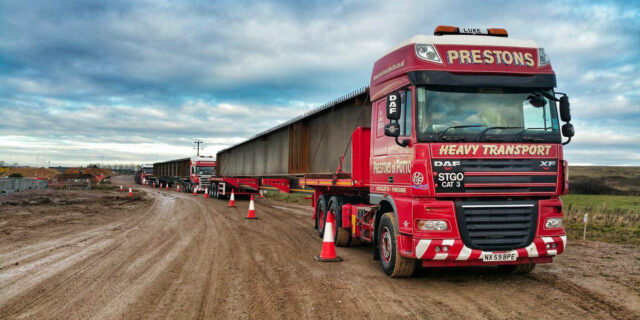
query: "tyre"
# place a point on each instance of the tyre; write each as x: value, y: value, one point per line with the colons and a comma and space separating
x: 393, y: 264
x: 321, y: 211
x: 341, y: 236
x: 517, y: 268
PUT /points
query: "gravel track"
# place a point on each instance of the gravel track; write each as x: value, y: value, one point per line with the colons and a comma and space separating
x: 183, y: 257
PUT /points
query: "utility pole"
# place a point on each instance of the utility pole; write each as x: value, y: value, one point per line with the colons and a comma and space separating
x: 198, y: 142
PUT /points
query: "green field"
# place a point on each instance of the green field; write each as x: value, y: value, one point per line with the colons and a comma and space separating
x: 604, y: 180
x: 611, y: 218
x: 603, y: 201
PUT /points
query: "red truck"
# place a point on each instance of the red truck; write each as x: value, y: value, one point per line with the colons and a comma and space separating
x: 190, y: 173
x: 143, y: 175
x: 451, y: 157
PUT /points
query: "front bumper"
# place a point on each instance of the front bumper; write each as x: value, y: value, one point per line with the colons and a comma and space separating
x: 458, y: 253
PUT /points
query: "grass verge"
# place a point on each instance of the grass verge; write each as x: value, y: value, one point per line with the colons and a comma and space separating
x: 295, y: 198
x: 611, y: 218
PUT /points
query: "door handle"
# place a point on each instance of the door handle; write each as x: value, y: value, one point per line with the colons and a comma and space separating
x: 390, y: 179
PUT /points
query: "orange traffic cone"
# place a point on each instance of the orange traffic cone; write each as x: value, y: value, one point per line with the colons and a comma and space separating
x: 252, y: 210
x: 195, y: 191
x: 206, y: 192
x: 232, y: 201
x: 328, y: 253
x: 130, y: 192
x: 261, y: 196
x: 166, y: 186
x: 121, y: 188
x: 177, y: 188
x: 153, y: 185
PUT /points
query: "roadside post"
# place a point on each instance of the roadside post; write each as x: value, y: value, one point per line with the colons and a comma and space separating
x: 584, y: 232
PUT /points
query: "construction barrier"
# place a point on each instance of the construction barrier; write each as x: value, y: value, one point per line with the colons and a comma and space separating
x: 9, y: 185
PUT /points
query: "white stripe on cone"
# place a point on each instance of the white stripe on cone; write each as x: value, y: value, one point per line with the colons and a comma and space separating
x: 328, y: 232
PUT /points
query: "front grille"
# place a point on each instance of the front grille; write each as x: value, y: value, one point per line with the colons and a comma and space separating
x: 497, y: 225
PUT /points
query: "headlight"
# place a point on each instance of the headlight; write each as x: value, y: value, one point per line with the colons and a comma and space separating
x: 543, y: 58
x: 428, y: 52
x: 553, y: 223
x: 432, y: 225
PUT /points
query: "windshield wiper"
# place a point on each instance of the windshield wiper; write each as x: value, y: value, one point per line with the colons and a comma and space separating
x: 458, y: 127
x: 521, y: 133
x: 481, y: 134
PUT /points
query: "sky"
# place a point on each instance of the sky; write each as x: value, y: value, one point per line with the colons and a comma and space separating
x: 138, y: 81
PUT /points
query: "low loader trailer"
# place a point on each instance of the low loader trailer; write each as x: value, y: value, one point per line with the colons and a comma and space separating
x: 189, y: 173
x: 453, y: 156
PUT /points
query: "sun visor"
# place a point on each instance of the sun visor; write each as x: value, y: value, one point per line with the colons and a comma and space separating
x: 445, y: 78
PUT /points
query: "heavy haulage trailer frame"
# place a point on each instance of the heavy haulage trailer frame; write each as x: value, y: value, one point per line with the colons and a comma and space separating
x: 281, y: 158
x: 451, y: 157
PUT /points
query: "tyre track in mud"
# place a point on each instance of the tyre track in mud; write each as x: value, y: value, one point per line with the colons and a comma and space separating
x: 58, y: 283
x: 457, y: 293
x: 187, y: 257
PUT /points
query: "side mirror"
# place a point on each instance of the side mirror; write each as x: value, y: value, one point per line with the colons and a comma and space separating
x: 393, y: 106
x: 565, y: 110
x: 393, y: 130
x: 567, y: 130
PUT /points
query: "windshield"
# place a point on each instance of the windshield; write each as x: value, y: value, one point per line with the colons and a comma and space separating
x: 205, y: 171
x: 470, y: 113
x: 147, y: 170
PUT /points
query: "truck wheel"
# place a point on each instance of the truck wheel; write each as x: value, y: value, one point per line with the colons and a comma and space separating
x: 517, y: 268
x: 341, y: 236
x: 321, y: 210
x: 393, y: 264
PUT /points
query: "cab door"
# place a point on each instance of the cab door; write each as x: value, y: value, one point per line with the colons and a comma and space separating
x: 378, y: 143
x: 391, y: 163
x: 400, y: 156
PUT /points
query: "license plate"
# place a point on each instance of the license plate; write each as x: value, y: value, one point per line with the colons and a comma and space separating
x: 494, y: 257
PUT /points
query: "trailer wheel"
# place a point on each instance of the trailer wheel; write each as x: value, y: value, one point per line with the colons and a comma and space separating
x: 341, y: 236
x: 517, y: 268
x: 393, y: 264
x: 321, y: 210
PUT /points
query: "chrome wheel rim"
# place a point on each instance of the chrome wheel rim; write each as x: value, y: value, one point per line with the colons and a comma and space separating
x: 386, y: 245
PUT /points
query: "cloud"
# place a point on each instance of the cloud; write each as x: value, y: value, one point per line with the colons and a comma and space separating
x: 139, y: 80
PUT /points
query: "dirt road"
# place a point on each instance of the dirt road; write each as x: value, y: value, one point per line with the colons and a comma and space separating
x: 172, y: 255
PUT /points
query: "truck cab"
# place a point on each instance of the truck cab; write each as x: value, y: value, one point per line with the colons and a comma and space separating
x: 146, y: 172
x: 201, y: 169
x: 466, y: 152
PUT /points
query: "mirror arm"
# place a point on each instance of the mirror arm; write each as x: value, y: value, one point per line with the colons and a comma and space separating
x: 566, y: 142
x: 403, y: 143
